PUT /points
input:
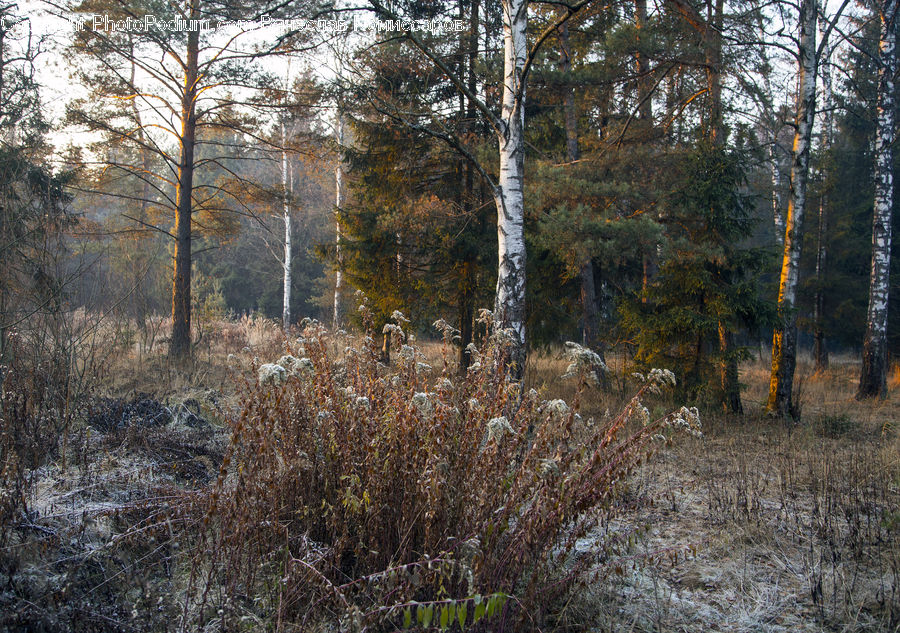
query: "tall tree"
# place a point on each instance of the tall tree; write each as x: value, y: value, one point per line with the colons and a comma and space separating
x: 873, y: 373
x: 820, y: 347
x: 34, y: 210
x: 508, y: 128
x: 338, y: 205
x: 784, y: 339
x: 186, y: 82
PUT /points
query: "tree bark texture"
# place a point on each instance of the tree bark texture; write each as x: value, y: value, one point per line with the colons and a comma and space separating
x: 784, y: 338
x: 180, y: 343
x: 873, y: 374
x: 509, y: 197
x: 338, y: 203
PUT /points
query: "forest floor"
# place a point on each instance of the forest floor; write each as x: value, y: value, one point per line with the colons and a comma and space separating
x: 757, y: 526
x: 763, y: 526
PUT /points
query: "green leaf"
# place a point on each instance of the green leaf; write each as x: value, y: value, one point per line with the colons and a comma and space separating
x: 407, y: 618
x: 445, y: 618
x: 461, y: 612
x: 479, y: 612
x: 420, y: 613
x: 428, y: 616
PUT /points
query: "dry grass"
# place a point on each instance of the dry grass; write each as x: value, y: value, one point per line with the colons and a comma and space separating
x: 758, y: 526
x: 795, y: 528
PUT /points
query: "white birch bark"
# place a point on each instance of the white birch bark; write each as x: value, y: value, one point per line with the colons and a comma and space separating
x: 338, y: 203
x: 286, y: 211
x: 777, y: 191
x: 784, y: 340
x: 873, y: 375
x: 509, y: 192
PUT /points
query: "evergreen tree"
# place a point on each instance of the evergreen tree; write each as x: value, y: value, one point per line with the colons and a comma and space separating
x: 708, y: 276
x: 182, y: 82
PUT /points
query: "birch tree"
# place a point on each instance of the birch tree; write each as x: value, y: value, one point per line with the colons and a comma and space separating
x: 287, y: 186
x: 508, y: 128
x: 784, y: 339
x: 338, y: 205
x: 873, y: 374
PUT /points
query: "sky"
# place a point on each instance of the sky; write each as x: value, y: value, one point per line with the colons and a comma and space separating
x: 51, y: 22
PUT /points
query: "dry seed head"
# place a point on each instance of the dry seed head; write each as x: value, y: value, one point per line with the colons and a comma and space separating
x: 271, y: 373
x: 583, y: 362
x: 557, y: 408
x: 548, y: 468
x: 687, y: 420
x: 642, y: 415
x: 661, y: 377
x: 398, y: 316
x: 423, y: 403
x: 498, y: 428
x: 485, y: 316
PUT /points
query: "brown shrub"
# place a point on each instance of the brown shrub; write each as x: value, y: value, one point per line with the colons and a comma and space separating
x: 363, y: 493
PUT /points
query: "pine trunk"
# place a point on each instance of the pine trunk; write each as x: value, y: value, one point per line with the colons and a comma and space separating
x: 784, y: 339
x: 728, y: 365
x: 873, y: 375
x: 820, y: 347
x: 180, y: 344
x: 590, y: 329
x: 509, y: 197
x: 731, y: 388
x: 642, y: 67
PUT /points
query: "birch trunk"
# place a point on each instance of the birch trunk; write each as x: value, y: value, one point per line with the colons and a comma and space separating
x: 338, y: 203
x: 873, y: 375
x: 509, y: 305
x: 784, y: 339
x: 777, y: 191
x: 141, y: 258
x: 286, y: 209
x: 180, y: 343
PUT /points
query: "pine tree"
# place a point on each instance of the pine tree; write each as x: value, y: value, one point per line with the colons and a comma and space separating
x: 183, y: 85
x: 707, y: 280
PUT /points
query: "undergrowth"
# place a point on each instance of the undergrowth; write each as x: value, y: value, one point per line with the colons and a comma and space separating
x: 376, y: 497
